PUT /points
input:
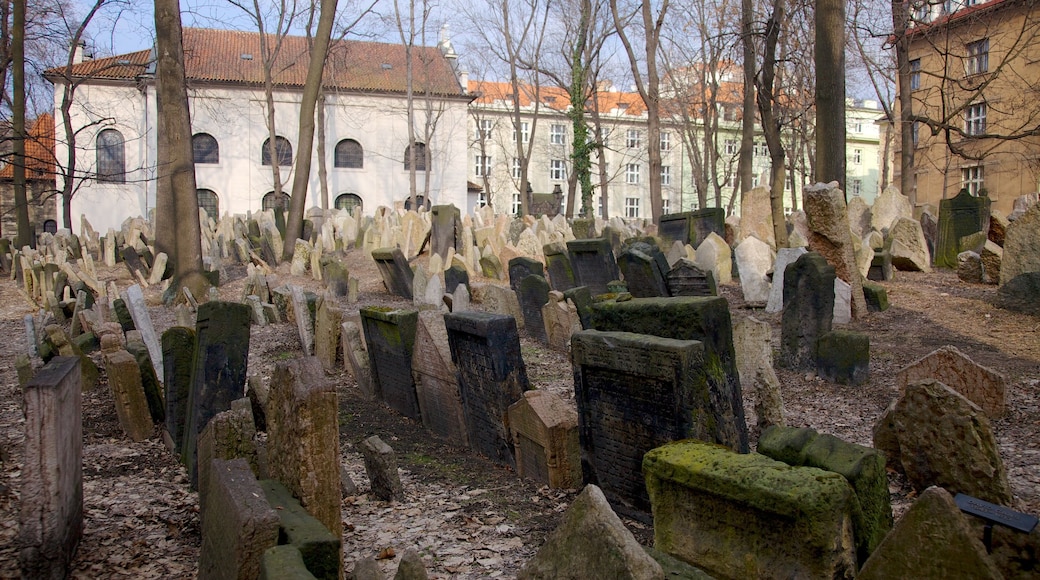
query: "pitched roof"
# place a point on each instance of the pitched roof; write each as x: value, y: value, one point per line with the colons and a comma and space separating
x: 234, y: 57
x: 552, y: 97
x: 39, y: 151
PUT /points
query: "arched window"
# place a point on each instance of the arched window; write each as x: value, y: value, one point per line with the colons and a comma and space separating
x: 349, y: 154
x: 271, y: 202
x: 204, y: 149
x: 348, y: 201
x: 209, y: 202
x: 282, y: 150
x: 420, y: 157
x: 420, y: 201
x: 50, y: 226
x: 111, y: 158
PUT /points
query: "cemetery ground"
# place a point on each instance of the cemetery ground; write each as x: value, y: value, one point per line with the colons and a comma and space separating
x: 467, y: 517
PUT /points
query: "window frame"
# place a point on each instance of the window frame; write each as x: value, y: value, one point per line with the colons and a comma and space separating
x: 976, y: 57
x: 357, y: 157
x: 420, y: 160
x: 216, y: 202
x: 631, y: 209
x: 633, y: 138
x: 360, y: 202
x: 525, y: 132
x: 915, y: 74
x: 557, y: 134
x: 484, y: 129
x: 557, y: 170
x: 666, y: 141
x: 632, y: 173
x: 198, y: 140
x: 516, y: 169
x: 482, y: 165
x: 280, y: 145
x: 110, y: 156
x: 973, y: 178
x: 975, y: 119
x: 666, y: 175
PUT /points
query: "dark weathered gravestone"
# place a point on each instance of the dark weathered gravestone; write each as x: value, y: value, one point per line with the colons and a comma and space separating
x: 239, y: 524
x: 643, y: 275
x: 390, y: 336
x: 705, y: 319
x: 149, y: 381
x: 675, y: 227
x: 134, y: 263
x: 808, y: 310
x: 335, y: 274
x: 51, y: 514
x: 959, y: 216
x: 123, y: 315
x: 381, y: 467
x: 584, y: 229
x: 636, y: 392
x: 178, y: 344
x: 582, y: 300
x: 492, y: 376
x: 533, y: 293
x: 880, y: 266
x: 705, y: 221
x: 843, y: 357
x: 436, y: 380
x: 649, y: 246
x: 558, y: 264
x: 393, y: 267
x: 686, y: 279
x: 521, y: 267
x: 454, y: 276
x: 445, y: 229
x: 218, y: 369
x: 593, y: 263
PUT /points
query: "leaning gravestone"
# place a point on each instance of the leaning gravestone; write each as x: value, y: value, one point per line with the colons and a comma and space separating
x: 643, y: 274
x: 446, y: 229
x: 808, y: 310
x: 1020, y: 265
x: 521, y: 267
x: 593, y: 262
x: 486, y: 351
x: 533, y: 294
x: 124, y: 380
x: 830, y: 236
x: 178, y: 345
x: 218, y: 369
x: 558, y: 266
x: 390, y: 338
x: 686, y: 279
x: 381, y: 467
x: 754, y: 259
x: 784, y: 257
x: 544, y: 429
x: 959, y: 216
x: 436, y: 382
x: 51, y: 512
x: 981, y: 385
x: 239, y: 523
x: 393, y: 267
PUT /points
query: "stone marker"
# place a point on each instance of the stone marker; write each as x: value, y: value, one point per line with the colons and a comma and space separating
x: 843, y: 357
x: 501, y: 300
x: 304, y: 322
x: 436, y: 382
x: 356, y: 359
x: 228, y: 435
x: 754, y: 354
x: 959, y: 216
x: 593, y: 263
x: 754, y: 259
x: 643, y: 274
x: 124, y: 380
x: 889, y: 207
x: 381, y: 466
x: 936, y: 436
x: 153, y: 389
x: 756, y: 216
x: 521, y: 267
x: 178, y: 345
x: 238, y: 525
x: 981, y: 385
x: 687, y: 279
x: 319, y: 547
x: 390, y: 338
x: 143, y: 322
x: 784, y: 257
x: 748, y: 516
x: 908, y: 247
x: 544, y: 430
x: 558, y: 267
x: 808, y: 310
x: 51, y: 506
x: 1021, y: 246
x: 591, y: 542
x: 714, y: 255
x: 397, y: 274
x: 327, y: 323
x: 533, y: 294
x: 830, y: 236
x: 561, y: 321
x: 932, y: 541
x: 445, y: 229
x: 485, y: 348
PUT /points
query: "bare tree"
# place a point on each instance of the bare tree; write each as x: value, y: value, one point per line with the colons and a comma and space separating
x: 771, y: 123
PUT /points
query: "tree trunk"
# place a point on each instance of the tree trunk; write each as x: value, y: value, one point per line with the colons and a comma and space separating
x: 905, y: 125
x: 771, y: 126
x: 311, y: 88
x: 21, y: 200
x: 830, y: 91
x: 745, y: 167
x: 176, y: 165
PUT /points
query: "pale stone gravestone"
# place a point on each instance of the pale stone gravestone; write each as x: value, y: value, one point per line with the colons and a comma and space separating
x: 751, y: 342
x: 748, y: 516
x: 446, y: 229
x: 714, y: 255
x: 636, y: 392
x: 238, y: 526
x: 355, y: 354
x: 502, y: 300
x: 381, y: 467
x: 558, y: 266
x: 303, y: 438
x: 544, y: 430
x: 336, y: 276
x: 304, y: 321
x: 533, y: 295
x: 593, y: 263
x: 936, y: 436
x: 143, y: 322
x: 390, y: 338
x: 51, y: 506
x: 561, y: 321
x: 959, y: 216
x: 1022, y: 247
x: 486, y: 351
x: 704, y: 319
x: 393, y: 267
x: 907, y: 245
x: 830, y: 236
x: 643, y: 274
x: 228, y: 435
x: 754, y: 260
x: 327, y: 322
x: 981, y: 385
x: 889, y: 207
x: 124, y: 380
x: 842, y: 302
x: 784, y: 257
x: 218, y: 369
x: 808, y: 310
x: 178, y: 345
x: 436, y: 382
x: 686, y: 279
x: 859, y: 216
x: 756, y: 216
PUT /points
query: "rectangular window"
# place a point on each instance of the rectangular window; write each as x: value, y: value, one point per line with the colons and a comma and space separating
x: 604, y: 138
x: 666, y: 175
x: 557, y: 134
x: 632, y: 173
x: 972, y: 178
x: 731, y: 147
x: 484, y: 127
x: 916, y: 132
x: 761, y: 149
x: 482, y: 166
x: 516, y: 168
x: 975, y: 119
x: 855, y: 186
x: 525, y: 132
x: 516, y: 203
x: 634, y: 138
x: 977, y: 59
x: 666, y: 141
x: 557, y: 170
x: 857, y: 156
x: 915, y: 74
x: 482, y: 199
x: 857, y: 127
x: 666, y: 205
x: 631, y: 207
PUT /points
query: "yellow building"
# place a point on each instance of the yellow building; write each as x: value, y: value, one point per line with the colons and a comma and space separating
x: 975, y: 83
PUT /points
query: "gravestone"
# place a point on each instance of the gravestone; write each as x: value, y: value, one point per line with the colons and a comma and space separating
x: 303, y: 438
x: 705, y: 221
x: 754, y: 259
x: 1022, y: 250
x: 784, y: 257
x: 521, y: 267
x: 675, y: 227
x: 533, y: 294
x: 686, y: 279
x: 704, y: 319
x: 502, y: 300
x: 643, y: 274
x: 752, y: 344
x: 51, y: 506
x: 908, y: 247
x: 153, y: 389
x: 714, y: 255
x: 238, y: 526
x: 319, y: 549
x: 636, y: 392
x: 981, y: 385
x: 959, y: 216
x: 808, y: 310
x: 336, y: 276
x: 446, y: 229
x: 218, y: 369
x: 228, y: 435
x: 178, y: 345
x: 485, y: 348
x: 397, y: 274
x: 390, y: 338
x: 301, y: 312
x: 561, y: 321
x: 381, y: 467
x: 593, y: 263
x: 581, y: 298
x: 356, y: 359
x: 436, y: 383
x: 544, y: 429
x: 327, y: 322
x: 881, y: 268
x: 455, y: 276
x: 124, y: 380
x: 830, y: 236
x: 558, y: 265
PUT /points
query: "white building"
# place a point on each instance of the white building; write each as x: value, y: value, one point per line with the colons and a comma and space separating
x: 366, y: 127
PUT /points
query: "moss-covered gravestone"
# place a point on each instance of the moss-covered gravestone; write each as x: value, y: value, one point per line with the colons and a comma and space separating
x: 843, y: 357
x: 149, y: 381
x: 593, y: 263
x: 521, y: 267
x: 123, y: 315
x: 962, y: 215
x: 445, y: 229
x: 558, y: 265
x: 876, y: 297
x: 390, y: 337
x: 397, y: 274
x: 643, y: 274
x: 533, y: 294
x: 178, y: 345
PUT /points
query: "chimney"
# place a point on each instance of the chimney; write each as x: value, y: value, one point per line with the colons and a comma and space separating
x: 464, y: 81
x: 80, y: 54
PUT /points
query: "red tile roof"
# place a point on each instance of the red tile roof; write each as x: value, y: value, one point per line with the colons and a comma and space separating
x: 234, y: 57
x: 552, y: 97
x: 39, y: 151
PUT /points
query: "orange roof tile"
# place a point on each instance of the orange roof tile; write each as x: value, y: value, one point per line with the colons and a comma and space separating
x: 39, y: 151
x: 553, y: 97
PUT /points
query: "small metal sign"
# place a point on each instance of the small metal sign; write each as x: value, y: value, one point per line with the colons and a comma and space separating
x: 995, y: 513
